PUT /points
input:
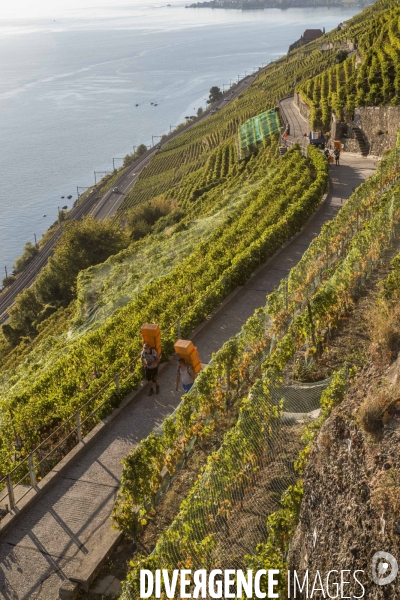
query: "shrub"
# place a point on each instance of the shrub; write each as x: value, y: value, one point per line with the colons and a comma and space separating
x: 378, y: 404
x: 26, y: 257
x: 385, y: 494
x: 130, y: 158
x: 82, y: 244
x: 141, y: 219
x: 341, y: 56
x: 7, y: 281
x: 384, y: 329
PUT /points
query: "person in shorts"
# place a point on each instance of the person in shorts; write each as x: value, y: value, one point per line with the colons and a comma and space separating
x: 336, y: 154
x: 185, y: 373
x: 150, y: 361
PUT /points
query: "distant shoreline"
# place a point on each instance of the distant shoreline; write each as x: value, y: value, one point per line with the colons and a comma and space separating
x: 263, y: 4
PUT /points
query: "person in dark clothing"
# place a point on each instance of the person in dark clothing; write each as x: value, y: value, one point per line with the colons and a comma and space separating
x: 336, y: 154
x: 150, y: 361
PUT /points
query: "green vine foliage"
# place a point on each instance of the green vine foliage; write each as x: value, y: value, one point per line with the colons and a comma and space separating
x: 199, y: 407
x: 256, y: 229
x: 329, y: 248
x: 197, y: 525
x: 281, y: 525
x: 368, y: 77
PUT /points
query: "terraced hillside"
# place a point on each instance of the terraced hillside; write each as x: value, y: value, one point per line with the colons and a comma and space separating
x: 198, y: 174
x: 370, y: 76
x: 254, y: 463
x: 251, y: 223
x: 224, y: 218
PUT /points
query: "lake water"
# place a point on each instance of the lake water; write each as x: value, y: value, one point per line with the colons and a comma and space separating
x: 70, y: 79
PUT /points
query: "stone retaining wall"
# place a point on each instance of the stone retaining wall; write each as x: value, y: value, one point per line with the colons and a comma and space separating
x: 380, y: 125
x: 302, y: 106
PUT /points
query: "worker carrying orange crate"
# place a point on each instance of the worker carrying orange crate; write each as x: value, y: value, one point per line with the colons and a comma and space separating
x: 151, y: 335
x: 151, y: 355
x: 188, y: 352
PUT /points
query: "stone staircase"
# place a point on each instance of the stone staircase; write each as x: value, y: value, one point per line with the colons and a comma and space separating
x: 362, y: 144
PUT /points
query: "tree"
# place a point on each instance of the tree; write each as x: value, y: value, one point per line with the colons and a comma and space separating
x: 25, y: 311
x: 7, y: 281
x: 341, y: 55
x: 215, y: 94
x: 199, y: 111
x: 130, y: 158
x: 28, y: 254
x: 141, y: 218
x: 141, y: 149
x: 83, y: 244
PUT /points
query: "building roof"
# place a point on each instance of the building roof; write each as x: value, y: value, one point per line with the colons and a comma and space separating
x: 311, y: 34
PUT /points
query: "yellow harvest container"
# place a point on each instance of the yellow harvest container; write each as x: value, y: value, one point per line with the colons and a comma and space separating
x: 338, y: 145
x: 188, y: 352
x: 152, y: 335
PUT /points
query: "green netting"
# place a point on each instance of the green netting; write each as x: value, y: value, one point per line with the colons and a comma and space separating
x: 256, y: 129
x: 245, y: 477
x: 252, y: 467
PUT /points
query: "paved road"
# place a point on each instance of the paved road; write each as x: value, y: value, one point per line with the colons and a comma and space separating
x: 298, y: 124
x: 106, y: 206
x: 63, y: 530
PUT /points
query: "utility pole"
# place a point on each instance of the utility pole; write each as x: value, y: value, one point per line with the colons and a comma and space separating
x: 100, y: 173
x: 114, y: 159
x: 5, y: 268
x: 35, y: 239
x: 80, y: 187
x: 134, y: 149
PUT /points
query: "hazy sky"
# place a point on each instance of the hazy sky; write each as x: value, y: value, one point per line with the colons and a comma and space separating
x: 51, y: 9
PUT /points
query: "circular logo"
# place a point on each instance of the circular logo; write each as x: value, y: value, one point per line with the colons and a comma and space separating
x: 381, y: 561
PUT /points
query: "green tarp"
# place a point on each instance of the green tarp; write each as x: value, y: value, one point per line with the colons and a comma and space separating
x: 256, y: 129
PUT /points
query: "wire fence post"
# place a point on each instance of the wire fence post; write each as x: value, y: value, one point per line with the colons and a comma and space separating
x: 178, y: 327
x: 286, y: 293
x: 10, y: 491
x: 117, y: 383
x: 78, y: 426
x: 310, y: 316
x: 32, y: 473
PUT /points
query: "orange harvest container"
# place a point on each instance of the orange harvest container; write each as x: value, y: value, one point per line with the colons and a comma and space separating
x: 188, y: 352
x: 152, y: 335
x: 338, y: 145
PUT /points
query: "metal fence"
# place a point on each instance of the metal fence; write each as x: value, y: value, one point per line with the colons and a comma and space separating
x: 28, y: 470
